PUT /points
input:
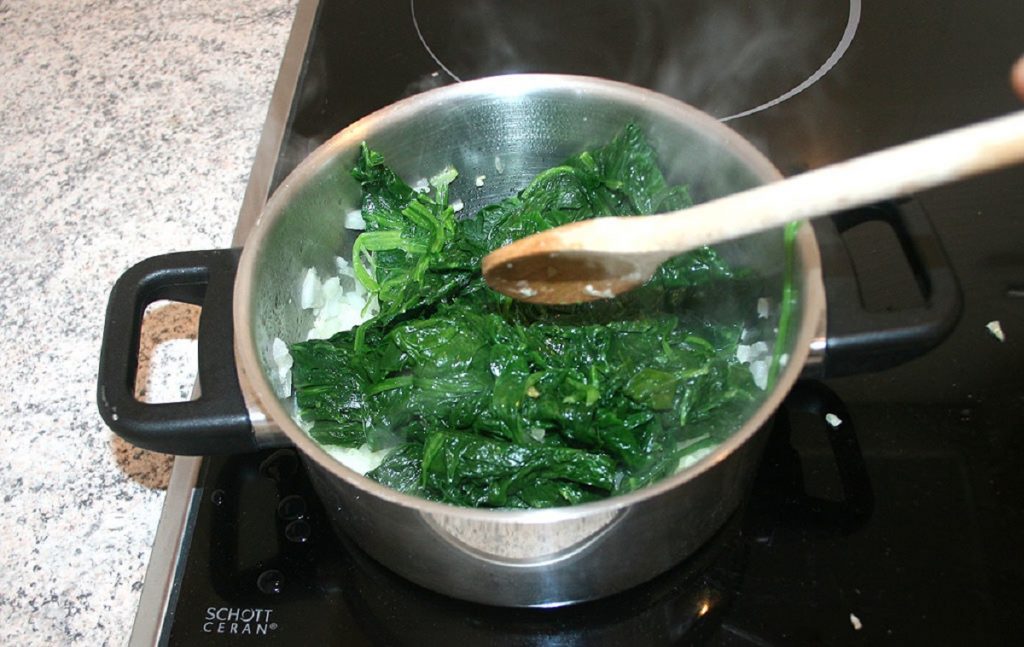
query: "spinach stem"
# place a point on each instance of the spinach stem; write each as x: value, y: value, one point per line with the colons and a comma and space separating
x: 787, y: 302
x: 544, y: 176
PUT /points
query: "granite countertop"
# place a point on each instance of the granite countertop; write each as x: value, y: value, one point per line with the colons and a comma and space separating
x: 127, y: 129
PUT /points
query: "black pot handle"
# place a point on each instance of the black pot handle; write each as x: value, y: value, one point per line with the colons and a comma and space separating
x: 862, y: 341
x: 781, y: 490
x: 218, y: 421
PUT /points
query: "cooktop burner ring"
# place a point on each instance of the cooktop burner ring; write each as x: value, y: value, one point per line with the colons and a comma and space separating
x: 844, y: 44
x: 848, y: 35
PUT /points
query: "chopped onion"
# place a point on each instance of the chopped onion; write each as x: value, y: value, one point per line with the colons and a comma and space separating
x: 694, y: 457
x: 996, y: 329
x: 748, y: 353
x: 759, y: 369
x: 283, y: 362
x: 358, y: 459
x: 311, y: 293
x: 344, y: 268
x: 338, y: 303
x: 354, y: 220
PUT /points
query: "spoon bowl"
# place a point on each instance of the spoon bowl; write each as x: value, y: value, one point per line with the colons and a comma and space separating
x: 550, y: 268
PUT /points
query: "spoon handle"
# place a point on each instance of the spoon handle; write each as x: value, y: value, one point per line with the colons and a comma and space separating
x: 903, y: 169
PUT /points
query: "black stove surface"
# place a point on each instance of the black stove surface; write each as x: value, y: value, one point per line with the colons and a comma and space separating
x: 904, y: 525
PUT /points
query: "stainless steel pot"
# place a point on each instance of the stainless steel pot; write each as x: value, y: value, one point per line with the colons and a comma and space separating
x: 507, y: 128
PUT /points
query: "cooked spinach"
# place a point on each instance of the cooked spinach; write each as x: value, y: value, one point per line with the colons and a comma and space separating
x: 494, y: 402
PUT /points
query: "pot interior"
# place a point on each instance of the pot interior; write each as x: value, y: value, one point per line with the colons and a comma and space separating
x: 507, y: 129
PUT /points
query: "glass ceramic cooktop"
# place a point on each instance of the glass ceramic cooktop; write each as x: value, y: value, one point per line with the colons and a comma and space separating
x: 901, y: 526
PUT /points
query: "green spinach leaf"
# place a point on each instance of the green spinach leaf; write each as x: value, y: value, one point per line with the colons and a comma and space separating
x: 493, y: 402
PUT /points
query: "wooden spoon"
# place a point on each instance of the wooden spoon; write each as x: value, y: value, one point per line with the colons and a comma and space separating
x: 604, y: 257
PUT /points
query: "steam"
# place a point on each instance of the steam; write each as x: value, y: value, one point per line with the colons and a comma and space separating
x: 737, y: 49
x: 728, y: 59
x: 844, y: 44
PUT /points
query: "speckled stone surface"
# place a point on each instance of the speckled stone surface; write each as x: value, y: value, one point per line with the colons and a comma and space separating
x: 127, y: 129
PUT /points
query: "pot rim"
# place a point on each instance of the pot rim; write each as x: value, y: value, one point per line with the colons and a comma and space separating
x: 251, y: 373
